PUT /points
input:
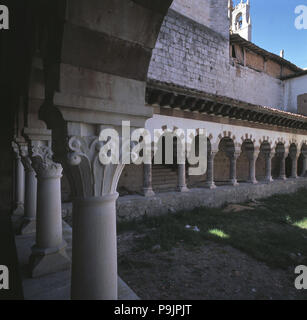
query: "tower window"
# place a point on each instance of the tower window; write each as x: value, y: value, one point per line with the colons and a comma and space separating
x: 239, y: 21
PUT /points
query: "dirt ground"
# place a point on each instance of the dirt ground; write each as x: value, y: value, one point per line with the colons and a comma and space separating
x: 212, y: 271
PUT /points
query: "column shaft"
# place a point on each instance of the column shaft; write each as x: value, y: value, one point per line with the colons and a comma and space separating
x: 29, y: 223
x: 147, y: 187
x: 210, y: 170
x: 252, y: 167
x: 294, y: 167
x: 94, y: 253
x: 233, y: 168
x: 182, y: 186
x: 304, y: 169
x: 20, y: 187
x: 282, y: 171
x: 268, y: 167
x: 48, y: 253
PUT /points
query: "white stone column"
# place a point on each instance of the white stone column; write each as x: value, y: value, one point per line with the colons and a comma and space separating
x: 210, y: 170
x: 233, y: 157
x: 282, y: 163
x: 252, y: 158
x: 48, y: 253
x: 147, y: 187
x: 182, y: 186
x: 268, y: 165
x: 94, y: 262
x: 294, y: 158
x: 19, y: 183
x: 94, y: 250
x: 29, y: 220
x: 304, y: 169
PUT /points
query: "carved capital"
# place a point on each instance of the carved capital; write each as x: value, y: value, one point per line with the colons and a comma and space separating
x: 25, y: 158
x: 89, y: 177
x: 16, y: 149
x: 43, y: 164
x: 269, y: 155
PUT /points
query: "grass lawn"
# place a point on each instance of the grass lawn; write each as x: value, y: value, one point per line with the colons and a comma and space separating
x: 272, y: 230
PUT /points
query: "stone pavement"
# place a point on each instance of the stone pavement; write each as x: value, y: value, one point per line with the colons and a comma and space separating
x: 55, y: 286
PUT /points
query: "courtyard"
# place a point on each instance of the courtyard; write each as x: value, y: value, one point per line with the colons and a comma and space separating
x: 240, y: 251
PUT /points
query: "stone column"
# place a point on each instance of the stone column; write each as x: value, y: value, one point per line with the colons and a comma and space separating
x: 282, y: 171
x: 182, y: 186
x: 210, y: 170
x: 94, y: 247
x: 294, y: 158
x: 147, y: 188
x: 233, y: 157
x: 29, y: 221
x: 304, y: 169
x: 19, y: 183
x: 48, y: 253
x: 252, y: 158
x: 268, y: 165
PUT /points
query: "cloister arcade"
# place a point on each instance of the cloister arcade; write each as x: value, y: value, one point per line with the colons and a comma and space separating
x: 85, y: 70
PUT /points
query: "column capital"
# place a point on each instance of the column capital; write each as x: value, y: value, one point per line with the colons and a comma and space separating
x: 234, y: 155
x: 16, y: 149
x: 212, y: 153
x: 269, y: 154
x: 89, y: 176
x: 25, y: 158
x: 44, y: 166
x: 294, y: 156
x: 253, y: 154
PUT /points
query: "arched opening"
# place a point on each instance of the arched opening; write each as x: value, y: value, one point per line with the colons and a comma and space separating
x: 276, y: 162
x: 243, y: 161
x: 165, y: 174
x: 300, y: 163
x: 290, y: 159
x: 222, y: 162
x: 239, y: 21
x: 197, y: 181
x: 265, y: 150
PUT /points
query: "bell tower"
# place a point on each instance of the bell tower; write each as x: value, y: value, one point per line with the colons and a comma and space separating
x: 240, y: 19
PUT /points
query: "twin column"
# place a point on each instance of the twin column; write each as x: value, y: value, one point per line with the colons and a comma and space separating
x: 48, y: 253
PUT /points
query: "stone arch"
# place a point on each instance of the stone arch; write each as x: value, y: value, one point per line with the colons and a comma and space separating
x: 221, y: 160
x: 265, y: 150
x: 280, y: 150
x: 199, y: 180
x: 291, y: 158
x: 243, y: 161
x: 301, y: 163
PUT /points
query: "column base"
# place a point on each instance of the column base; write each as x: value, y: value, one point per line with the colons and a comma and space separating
x: 252, y: 181
x: 234, y: 183
x: 268, y: 180
x: 19, y: 211
x: 183, y: 189
x: 294, y: 177
x: 47, y: 261
x: 210, y: 185
x: 28, y: 226
x: 148, y: 192
x: 282, y: 178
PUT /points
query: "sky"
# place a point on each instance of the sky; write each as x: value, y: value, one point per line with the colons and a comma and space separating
x: 273, y: 29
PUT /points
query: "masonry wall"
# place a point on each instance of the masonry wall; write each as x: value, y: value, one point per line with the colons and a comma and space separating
x: 211, y: 13
x: 293, y: 88
x: 195, y: 56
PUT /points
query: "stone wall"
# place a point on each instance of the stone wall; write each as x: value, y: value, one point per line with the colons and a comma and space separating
x: 131, y: 207
x: 211, y: 13
x: 293, y: 88
x: 195, y: 56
